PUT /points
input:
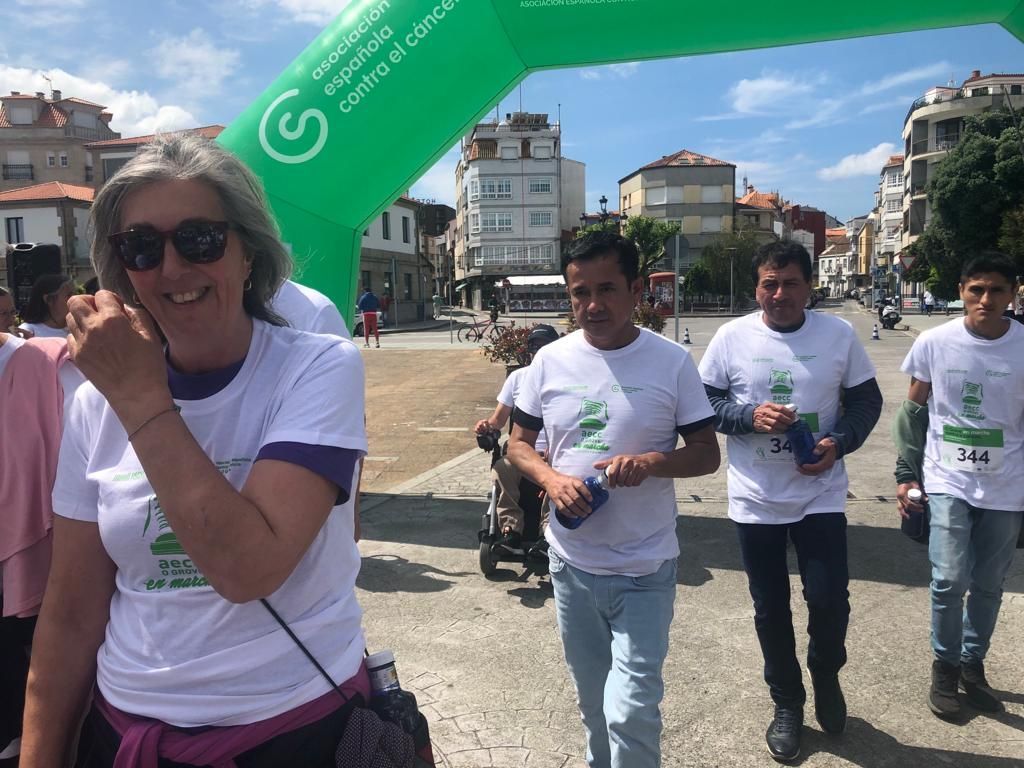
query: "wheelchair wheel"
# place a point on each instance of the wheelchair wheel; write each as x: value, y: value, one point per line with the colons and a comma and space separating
x: 487, y: 562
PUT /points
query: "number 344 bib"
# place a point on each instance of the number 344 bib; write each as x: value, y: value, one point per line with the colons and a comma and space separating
x: 967, y: 449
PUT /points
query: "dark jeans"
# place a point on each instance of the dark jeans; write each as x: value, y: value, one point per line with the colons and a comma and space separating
x: 312, y: 746
x: 820, y: 543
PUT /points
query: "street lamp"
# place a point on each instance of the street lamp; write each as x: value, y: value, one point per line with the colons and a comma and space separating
x: 604, y: 208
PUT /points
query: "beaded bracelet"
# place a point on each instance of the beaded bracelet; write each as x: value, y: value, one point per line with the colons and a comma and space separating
x: 172, y: 409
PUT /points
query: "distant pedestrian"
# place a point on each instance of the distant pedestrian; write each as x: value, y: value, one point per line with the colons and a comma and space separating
x: 385, y: 306
x: 368, y: 305
x: 46, y: 313
x: 970, y: 373
x: 929, y: 303
x: 438, y: 304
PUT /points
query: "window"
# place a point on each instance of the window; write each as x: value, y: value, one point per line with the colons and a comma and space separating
x: 540, y: 218
x: 753, y: 219
x: 496, y: 222
x: 1015, y: 90
x: 513, y: 255
x: 893, y: 206
x: 19, y: 115
x: 112, y: 166
x: 509, y: 153
x: 474, y: 189
x: 51, y: 160
x: 496, y: 189
x: 710, y: 223
x: 656, y: 196
x: 366, y: 280
x: 711, y: 194
x: 542, y: 152
x: 895, y: 179
x: 891, y: 233
x: 407, y: 288
x: 540, y: 186
x: 63, y: 159
x: 673, y: 195
x: 405, y: 229
x: 385, y: 225
x: 15, y: 230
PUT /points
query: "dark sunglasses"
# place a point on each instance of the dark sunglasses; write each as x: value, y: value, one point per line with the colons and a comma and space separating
x: 199, y: 242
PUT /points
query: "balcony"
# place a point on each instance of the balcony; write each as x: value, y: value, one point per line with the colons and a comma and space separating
x: 89, y: 134
x: 938, y: 144
x: 22, y: 172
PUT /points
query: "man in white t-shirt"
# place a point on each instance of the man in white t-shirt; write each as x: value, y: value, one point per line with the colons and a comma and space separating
x: 308, y: 310
x: 756, y: 369
x: 511, y: 517
x: 970, y: 372
x: 613, y: 397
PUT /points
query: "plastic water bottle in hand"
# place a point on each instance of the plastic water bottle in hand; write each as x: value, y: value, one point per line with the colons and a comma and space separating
x: 801, y: 440
x: 598, y: 487
x: 387, y: 698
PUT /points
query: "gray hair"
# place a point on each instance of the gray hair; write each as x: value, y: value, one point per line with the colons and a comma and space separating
x: 188, y: 157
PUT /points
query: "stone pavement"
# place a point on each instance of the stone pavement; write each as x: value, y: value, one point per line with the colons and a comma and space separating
x: 484, y: 659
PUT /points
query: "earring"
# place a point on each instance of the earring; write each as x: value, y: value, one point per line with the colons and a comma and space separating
x: 248, y: 284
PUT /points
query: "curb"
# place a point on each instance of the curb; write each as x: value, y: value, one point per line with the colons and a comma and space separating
x: 430, y: 474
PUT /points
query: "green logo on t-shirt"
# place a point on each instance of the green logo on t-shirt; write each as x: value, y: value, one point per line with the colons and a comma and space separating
x: 971, y: 395
x: 593, y: 418
x: 780, y: 384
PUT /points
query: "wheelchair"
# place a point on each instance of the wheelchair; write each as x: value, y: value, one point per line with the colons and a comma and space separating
x: 532, y: 551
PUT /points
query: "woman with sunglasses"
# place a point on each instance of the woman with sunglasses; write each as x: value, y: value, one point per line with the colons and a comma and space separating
x: 207, y: 465
x: 46, y: 313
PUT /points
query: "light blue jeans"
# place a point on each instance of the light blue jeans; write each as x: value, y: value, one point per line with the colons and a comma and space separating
x: 614, y: 633
x: 971, y: 550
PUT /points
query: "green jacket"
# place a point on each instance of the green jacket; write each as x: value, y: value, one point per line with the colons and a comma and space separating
x: 909, y: 433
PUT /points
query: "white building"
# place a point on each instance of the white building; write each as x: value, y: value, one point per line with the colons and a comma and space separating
x: 391, y: 262
x: 517, y: 200
x: 888, y: 224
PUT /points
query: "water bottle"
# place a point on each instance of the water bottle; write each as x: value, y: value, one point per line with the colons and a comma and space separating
x: 387, y: 698
x: 598, y: 487
x: 801, y: 440
x: 914, y: 524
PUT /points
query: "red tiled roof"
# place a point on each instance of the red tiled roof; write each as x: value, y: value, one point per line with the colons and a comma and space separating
x: 991, y: 74
x: 76, y: 100
x: 757, y: 199
x: 50, y: 117
x: 683, y: 157
x: 206, y: 131
x: 832, y: 232
x: 52, y: 190
x: 893, y: 160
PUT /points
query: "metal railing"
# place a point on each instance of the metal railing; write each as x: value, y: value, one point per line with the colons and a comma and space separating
x: 18, y: 171
x: 89, y: 134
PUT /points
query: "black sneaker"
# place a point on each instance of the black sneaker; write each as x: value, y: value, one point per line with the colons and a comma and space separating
x: 829, y: 704
x: 783, y: 735
x: 943, y: 699
x: 979, y: 694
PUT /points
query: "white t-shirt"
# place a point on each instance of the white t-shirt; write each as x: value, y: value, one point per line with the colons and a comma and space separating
x: 7, y: 350
x: 597, y: 404
x: 510, y: 393
x: 175, y: 650
x: 43, y: 331
x: 809, y: 367
x: 975, y: 446
x: 308, y: 310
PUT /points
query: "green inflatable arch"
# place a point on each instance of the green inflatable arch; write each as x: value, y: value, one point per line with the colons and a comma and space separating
x: 390, y: 85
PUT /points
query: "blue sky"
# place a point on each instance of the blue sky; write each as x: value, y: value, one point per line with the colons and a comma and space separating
x: 812, y: 121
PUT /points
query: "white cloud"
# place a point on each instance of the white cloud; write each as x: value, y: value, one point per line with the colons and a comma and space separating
x: 773, y: 93
x: 307, y: 11
x: 439, y: 182
x: 195, y: 62
x: 882, y: 106
x: 611, y: 71
x: 865, y: 164
x: 135, y: 113
x: 822, y: 112
x: 927, y: 72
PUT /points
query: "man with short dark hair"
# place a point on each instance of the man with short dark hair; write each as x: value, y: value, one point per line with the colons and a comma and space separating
x: 970, y: 373
x: 616, y: 398
x: 368, y: 304
x: 763, y: 372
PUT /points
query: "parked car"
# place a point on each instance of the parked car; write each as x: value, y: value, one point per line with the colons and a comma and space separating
x: 357, y: 329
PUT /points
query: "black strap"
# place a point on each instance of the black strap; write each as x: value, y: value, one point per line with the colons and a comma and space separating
x: 303, y: 648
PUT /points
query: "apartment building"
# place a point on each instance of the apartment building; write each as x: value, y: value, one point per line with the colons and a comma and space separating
x: 693, y: 190
x: 393, y: 264
x: 109, y: 155
x: 518, y: 199
x: 934, y: 125
x: 760, y: 213
x: 43, y: 139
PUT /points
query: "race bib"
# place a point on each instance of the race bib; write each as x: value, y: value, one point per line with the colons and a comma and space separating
x: 777, y: 447
x: 968, y: 449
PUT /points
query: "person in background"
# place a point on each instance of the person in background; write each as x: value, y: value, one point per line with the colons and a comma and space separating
x: 438, y: 304
x: 385, y: 307
x: 510, y: 515
x: 7, y: 311
x: 191, y: 375
x: 929, y: 302
x: 368, y: 305
x: 47, y: 309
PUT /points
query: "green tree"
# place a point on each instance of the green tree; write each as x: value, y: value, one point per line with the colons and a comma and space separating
x: 608, y: 225
x: 649, y: 235
x: 977, y: 197
x: 738, y: 249
x: 698, y: 280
